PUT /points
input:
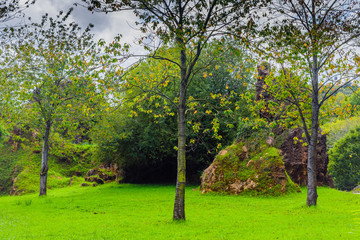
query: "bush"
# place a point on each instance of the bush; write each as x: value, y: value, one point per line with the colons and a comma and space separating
x: 3, y: 134
x: 345, y: 161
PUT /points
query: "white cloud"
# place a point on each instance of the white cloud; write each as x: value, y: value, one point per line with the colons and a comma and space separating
x: 106, y: 26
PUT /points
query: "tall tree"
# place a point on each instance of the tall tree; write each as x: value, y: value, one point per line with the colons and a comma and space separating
x: 188, y: 25
x: 50, y: 78
x: 145, y: 121
x: 314, y: 37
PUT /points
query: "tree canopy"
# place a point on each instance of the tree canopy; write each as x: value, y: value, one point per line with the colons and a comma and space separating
x: 316, y: 40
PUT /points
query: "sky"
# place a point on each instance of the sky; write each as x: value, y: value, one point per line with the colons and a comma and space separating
x: 106, y: 26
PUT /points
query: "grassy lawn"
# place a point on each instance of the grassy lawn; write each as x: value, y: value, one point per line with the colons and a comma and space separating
x: 125, y: 211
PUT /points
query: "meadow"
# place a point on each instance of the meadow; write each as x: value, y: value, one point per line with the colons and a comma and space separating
x: 125, y: 211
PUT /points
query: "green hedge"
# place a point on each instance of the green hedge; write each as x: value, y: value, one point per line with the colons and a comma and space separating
x: 345, y: 161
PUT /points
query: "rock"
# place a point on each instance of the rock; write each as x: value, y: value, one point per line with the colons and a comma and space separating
x: 270, y: 141
x: 250, y: 163
x: 106, y: 172
x: 294, y: 153
x: 94, y: 184
x: 94, y: 179
x: 295, y: 158
x: 223, y: 152
x: 92, y: 172
x: 84, y: 185
x: 261, y: 93
x: 356, y: 190
x: 106, y: 176
x: 238, y: 187
x: 233, y: 172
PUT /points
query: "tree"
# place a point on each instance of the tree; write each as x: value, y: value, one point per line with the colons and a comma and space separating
x: 9, y: 9
x: 188, y: 25
x: 314, y: 39
x: 50, y: 78
x: 141, y: 133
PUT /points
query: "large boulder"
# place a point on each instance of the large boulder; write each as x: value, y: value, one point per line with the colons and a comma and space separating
x: 295, y: 158
x: 234, y: 172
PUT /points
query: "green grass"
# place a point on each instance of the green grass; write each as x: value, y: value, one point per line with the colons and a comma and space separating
x: 28, y: 164
x: 125, y: 211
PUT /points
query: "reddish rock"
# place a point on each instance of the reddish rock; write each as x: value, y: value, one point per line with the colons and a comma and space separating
x: 261, y: 93
x: 295, y: 158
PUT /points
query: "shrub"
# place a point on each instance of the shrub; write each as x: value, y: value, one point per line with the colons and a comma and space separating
x: 345, y: 161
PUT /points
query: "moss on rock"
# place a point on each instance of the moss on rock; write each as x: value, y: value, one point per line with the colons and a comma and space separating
x: 235, y: 170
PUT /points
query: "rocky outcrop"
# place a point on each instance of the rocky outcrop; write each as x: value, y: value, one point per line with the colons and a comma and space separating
x: 261, y: 93
x: 295, y: 158
x: 293, y: 151
x: 234, y: 172
x: 104, y: 173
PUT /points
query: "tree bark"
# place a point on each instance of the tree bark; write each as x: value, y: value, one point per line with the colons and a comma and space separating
x: 311, y: 164
x: 179, y: 205
x: 44, y: 159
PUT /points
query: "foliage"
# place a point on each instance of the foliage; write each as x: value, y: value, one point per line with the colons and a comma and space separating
x: 188, y: 26
x: 354, y: 99
x: 52, y: 73
x: 141, y: 135
x: 54, y: 82
x: 3, y: 134
x: 72, y: 162
x: 97, y: 213
x: 8, y: 161
x: 338, y: 128
x: 345, y: 161
x: 10, y: 9
x: 142, y: 147
x: 313, y: 38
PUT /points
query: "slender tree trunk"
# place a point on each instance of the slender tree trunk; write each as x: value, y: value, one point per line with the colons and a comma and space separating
x: 311, y: 164
x: 179, y: 205
x: 44, y: 159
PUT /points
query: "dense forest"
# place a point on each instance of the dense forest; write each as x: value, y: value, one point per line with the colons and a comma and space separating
x: 239, y: 97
